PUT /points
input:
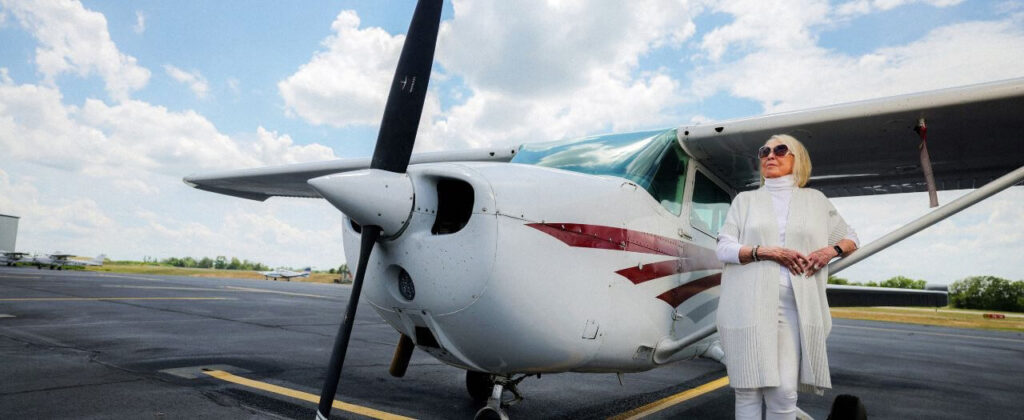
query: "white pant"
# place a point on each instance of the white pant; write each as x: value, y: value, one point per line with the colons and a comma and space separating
x: 780, y: 400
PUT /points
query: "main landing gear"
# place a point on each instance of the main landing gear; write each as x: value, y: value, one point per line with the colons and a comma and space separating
x: 485, y: 386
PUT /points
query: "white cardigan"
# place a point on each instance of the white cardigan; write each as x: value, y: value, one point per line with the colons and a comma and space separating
x: 748, y: 308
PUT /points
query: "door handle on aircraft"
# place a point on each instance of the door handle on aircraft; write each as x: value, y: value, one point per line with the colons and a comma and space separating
x: 683, y: 234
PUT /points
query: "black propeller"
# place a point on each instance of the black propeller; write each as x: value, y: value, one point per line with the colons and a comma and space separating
x: 394, y: 147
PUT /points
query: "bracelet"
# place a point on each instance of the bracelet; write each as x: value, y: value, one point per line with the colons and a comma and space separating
x: 839, y: 250
x: 753, y: 253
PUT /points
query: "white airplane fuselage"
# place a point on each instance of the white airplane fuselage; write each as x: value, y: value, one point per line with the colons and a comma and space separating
x: 553, y: 271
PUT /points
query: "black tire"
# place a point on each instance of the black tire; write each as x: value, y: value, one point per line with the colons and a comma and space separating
x: 847, y: 407
x: 479, y: 385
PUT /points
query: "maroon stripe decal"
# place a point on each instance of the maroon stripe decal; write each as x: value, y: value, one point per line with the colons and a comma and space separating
x: 607, y: 237
x: 653, y: 271
x: 661, y: 269
x: 677, y: 296
x: 690, y: 257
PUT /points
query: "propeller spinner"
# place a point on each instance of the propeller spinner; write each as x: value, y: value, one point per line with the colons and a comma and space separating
x: 386, y: 175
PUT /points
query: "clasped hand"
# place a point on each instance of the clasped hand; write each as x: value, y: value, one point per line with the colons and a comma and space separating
x: 794, y: 261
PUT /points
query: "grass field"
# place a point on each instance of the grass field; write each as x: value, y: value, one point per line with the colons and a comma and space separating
x: 944, y: 317
x: 202, y: 272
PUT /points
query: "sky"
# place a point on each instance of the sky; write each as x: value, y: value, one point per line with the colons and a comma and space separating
x: 106, y: 105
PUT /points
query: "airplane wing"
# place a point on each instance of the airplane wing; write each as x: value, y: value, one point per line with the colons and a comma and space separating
x: 290, y: 180
x: 974, y: 135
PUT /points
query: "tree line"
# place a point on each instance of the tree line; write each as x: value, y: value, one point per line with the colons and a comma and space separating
x: 976, y: 292
x: 987, y: 292
x: 219, y: 263
x: 899, y: 282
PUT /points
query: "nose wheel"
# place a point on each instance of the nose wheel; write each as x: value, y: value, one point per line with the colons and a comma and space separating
x: 483, y: 386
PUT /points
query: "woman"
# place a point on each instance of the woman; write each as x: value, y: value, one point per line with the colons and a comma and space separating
x: 773, y: 316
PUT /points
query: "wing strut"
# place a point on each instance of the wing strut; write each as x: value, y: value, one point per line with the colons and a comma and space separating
x: 937, y: 215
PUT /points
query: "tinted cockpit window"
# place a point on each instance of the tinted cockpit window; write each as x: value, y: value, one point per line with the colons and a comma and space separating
x: 710, y: 205
x: 633, y: 156
x: 667, y: 185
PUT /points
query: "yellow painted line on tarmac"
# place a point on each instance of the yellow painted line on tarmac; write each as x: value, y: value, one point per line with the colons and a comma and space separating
x: 232, y: 289
x: 73, y: 299
x: 667, y: 402
x: 114, y: 276
x: 304, y: 396
x: 7, y: 276
x: 202, y: 289
x: 914, y: 332
x: 250, y: 289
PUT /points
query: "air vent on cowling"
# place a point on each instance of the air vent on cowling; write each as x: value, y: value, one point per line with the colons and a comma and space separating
x: 454, y: 206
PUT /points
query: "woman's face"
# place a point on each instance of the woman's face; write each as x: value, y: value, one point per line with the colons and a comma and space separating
x: 773, y: 166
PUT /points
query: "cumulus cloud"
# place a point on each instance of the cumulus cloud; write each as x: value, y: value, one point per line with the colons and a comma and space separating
x: 863, y: 7
x: 77, y: 215
x: 538, y: 70
x: 529, y: 74
x: 277, y: 149
x: 772, y: 25
x: 140, y: 22
x: 102, y: 139
x: 76, y: 41
x: 788, y: 72
x: 981, y: 237
x: 193, y: 79
x: 539, y: 48
x: 347, y: 82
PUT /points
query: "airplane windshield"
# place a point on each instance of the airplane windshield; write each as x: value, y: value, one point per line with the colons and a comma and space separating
x: 633, y: 156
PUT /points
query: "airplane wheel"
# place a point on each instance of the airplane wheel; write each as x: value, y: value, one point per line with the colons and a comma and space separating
x: 479, y: 385
x: 490, y: 413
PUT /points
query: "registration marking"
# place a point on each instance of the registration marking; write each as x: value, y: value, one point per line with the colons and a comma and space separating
x: 670, y: 401
x: 304, y: 396
x: 74, y: 299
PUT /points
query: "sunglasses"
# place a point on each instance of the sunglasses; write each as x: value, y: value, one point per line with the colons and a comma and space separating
x: 780, y: 151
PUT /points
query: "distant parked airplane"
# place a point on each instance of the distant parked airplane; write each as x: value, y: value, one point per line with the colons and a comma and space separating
x: 9, y: 258
x: 60, y: 260
x: 287, y: 275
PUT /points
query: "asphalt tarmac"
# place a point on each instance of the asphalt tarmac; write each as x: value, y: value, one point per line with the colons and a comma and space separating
x: 99, y: 346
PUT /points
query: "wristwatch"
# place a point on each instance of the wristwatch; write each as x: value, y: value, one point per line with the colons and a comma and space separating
x: 839, y: 251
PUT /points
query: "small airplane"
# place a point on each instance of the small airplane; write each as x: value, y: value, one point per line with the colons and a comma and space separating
x: 287, y: 275
x: 597, y: 254
x: 59, y: 260
x: 10, y: 258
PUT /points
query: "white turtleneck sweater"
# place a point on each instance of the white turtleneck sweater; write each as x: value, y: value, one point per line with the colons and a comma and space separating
x: 781, y: 189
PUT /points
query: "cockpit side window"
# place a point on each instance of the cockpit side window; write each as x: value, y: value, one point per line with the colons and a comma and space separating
x: 710, y: 205
x: 668, y: 182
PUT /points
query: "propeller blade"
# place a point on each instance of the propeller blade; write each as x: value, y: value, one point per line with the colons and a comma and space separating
x: 392, y: 152
x: 408, y: 90
x: 369, y: 238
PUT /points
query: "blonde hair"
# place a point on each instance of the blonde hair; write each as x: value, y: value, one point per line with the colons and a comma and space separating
x: 801, y: 160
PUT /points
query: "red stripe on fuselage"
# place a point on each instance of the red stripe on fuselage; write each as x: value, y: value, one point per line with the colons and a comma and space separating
x: 677, y: 296
x: 608, y: 237
x: 689, y: 257
x: 661, y: 269
x: 692, y: 257
x: 653, y: 271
